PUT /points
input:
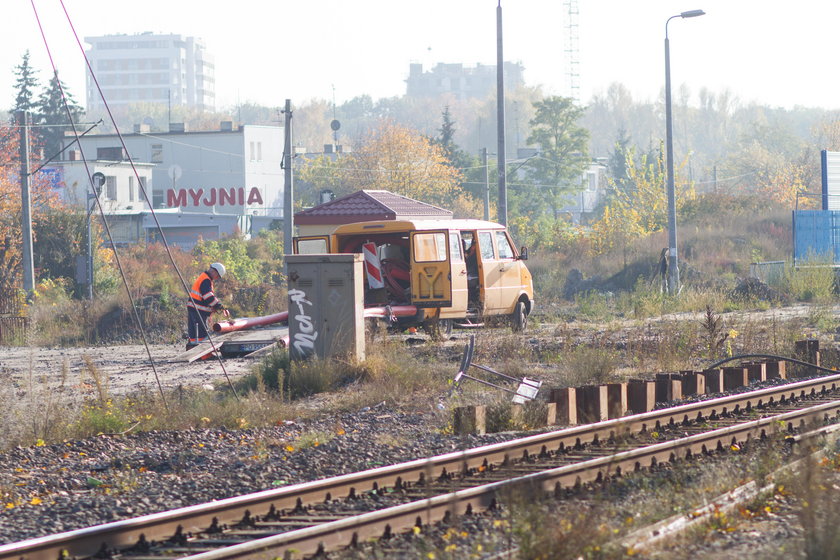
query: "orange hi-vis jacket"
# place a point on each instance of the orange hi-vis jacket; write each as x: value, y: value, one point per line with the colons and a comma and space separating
x: 201, y: 294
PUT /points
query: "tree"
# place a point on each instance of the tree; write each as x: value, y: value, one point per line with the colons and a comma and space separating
x: 640, y: 209
x: 25, y: 85
x: 397, y: 159
x: 563, y: 151
x: 43, y: 197
x: 52, y: 112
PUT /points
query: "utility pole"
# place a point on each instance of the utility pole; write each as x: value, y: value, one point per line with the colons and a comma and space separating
x: 500, y: 116
x: 486, y: 184
x: 26, y: 203
x: 288, y: 193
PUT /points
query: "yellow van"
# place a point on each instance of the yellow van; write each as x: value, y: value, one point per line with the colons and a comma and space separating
x: 460, y: 271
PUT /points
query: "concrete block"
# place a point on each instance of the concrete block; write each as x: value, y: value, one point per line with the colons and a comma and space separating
x: 734, y: 377
x: 470, y: 420
x: 641, y: 396
x: 616, y: 399
x: 592, y: 403
x: 565, y: 401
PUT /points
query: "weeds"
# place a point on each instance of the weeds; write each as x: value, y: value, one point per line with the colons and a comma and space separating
x: 714, y: 333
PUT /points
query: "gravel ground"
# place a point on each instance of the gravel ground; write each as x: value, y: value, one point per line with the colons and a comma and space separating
x: 67, y: 486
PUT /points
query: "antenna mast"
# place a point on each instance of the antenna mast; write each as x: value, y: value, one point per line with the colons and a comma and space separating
x: 572, y: 49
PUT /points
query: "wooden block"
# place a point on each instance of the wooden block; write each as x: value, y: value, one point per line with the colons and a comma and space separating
x: 734, y: 377
x: 551, y: 414
x: 693, y: 383
x: 663, y: 381
x: 565, y: 402
x: 470, y: 420
x: 757, y: 372
x: 714, y: 380
x: 808, y: 351
x: 776, y: 370
x: 616, y: 399
x: 592, y: 403
x: 641, y: 396
x: 668, y: 387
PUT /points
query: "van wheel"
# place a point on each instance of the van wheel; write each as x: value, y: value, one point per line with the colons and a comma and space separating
x: 439, y: 329
x: 519, y: 319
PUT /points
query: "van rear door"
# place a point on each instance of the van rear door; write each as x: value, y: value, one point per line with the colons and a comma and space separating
x: 431, y: 269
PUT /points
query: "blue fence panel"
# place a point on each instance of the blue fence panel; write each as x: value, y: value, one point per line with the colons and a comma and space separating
x: 816, y: 235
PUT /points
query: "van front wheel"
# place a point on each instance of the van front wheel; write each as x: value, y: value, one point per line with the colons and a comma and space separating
x: 519, y: 319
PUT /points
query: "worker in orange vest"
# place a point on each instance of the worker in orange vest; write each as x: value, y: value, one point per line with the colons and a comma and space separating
x: 202, y: 303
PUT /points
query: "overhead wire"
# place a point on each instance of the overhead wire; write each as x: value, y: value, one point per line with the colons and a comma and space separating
x: 99, y: 204
x: 144, y: 192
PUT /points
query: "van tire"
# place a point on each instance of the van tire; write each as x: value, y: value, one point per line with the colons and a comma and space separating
x: 438, y: 329
x: 519, y: 318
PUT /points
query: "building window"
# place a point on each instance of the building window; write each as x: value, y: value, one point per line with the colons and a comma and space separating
x: 157, y: 153
x: 259, y: 151
x: 109, y: 154
x: 141, y: 196
x: 110, y: 187
x: 130, y: 188
x: 252, y: 152
x: 157, y: 199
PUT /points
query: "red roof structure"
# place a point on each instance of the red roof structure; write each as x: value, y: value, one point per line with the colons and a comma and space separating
x: 367, y: 206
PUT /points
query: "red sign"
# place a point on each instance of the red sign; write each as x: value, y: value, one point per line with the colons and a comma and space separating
x: 211, y: 197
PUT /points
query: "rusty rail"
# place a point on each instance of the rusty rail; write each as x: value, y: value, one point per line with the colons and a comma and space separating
x: 161, y: 526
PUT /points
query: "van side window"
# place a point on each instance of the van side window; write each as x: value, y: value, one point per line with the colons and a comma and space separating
x: 485, y: 245
x: 312, y: 246
x: 455, y: 248
x: 429, y: 247
x: 505, y: 250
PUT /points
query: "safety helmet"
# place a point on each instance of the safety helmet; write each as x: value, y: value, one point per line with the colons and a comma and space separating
x: 218, y: 267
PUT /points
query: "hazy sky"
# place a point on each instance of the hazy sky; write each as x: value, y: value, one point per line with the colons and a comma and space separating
x: 773, y: 52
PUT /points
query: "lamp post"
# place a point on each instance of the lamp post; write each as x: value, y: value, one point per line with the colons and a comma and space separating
x: 673, y: 262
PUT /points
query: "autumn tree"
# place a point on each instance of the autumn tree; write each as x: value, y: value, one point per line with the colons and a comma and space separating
x: 43, y: 198
x: 398, y: 159
x: 640, y: 209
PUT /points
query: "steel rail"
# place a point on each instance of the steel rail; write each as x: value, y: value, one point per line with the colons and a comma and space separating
x: 344, y: 532
x: 161, y: 526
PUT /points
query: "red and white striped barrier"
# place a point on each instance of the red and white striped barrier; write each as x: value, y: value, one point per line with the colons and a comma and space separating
x: 373, y: 267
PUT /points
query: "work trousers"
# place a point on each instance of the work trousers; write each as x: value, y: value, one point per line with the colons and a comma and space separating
x: 196, y: 325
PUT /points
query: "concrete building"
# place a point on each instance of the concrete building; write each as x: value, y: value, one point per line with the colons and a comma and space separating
x: 150, y: 68
x: 202, y: 184
x: 464, y: 81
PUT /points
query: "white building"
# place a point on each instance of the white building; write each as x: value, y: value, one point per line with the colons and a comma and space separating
x: 150, y: 68
x: 202, y: 184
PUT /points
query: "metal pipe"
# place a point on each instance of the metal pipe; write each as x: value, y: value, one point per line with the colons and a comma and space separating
x: 249, y: 322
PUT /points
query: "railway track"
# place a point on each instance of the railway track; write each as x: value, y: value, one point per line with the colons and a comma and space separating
x: 305, y: 518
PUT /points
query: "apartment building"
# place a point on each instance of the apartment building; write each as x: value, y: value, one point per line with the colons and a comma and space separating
x: 150, y: 68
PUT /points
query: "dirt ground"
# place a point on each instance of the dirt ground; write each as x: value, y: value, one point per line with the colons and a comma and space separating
x: 127, y: 368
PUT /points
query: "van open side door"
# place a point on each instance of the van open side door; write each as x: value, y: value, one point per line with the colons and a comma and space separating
x: 312, y: 245
x: 431, y: 269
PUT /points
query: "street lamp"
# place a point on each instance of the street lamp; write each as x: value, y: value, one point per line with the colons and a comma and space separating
x: 673, y: 263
